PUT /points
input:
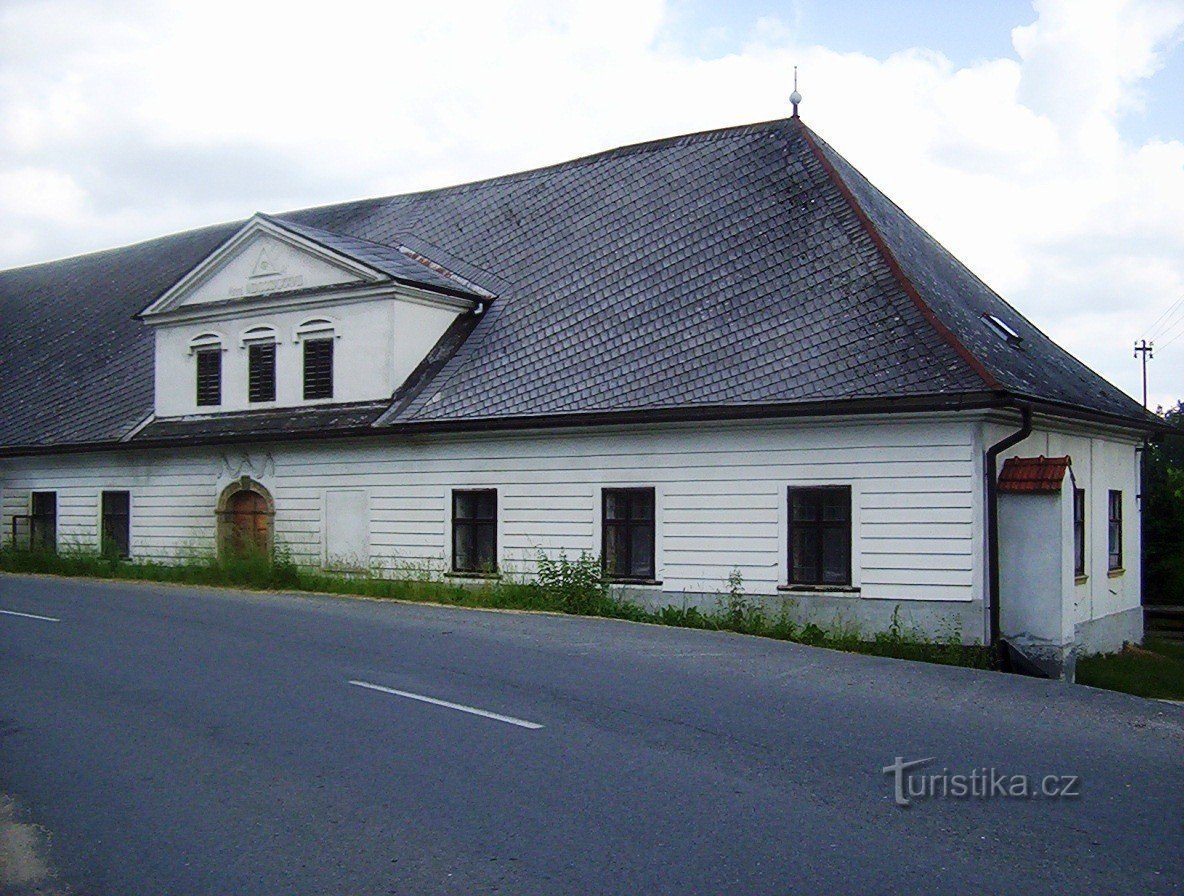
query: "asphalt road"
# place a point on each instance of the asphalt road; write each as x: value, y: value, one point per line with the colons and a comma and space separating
x: 189, y: 741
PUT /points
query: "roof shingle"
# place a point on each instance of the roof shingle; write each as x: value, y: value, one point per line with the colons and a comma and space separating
x: 1033, y: 475
x: 734, y: 269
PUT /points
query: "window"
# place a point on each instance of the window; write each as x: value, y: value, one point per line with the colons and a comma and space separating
x: 261, y: 371
x: 209, y: 376
x: 820, y: 535
x: 318, y: 368
x: 207, y: 348
x: 627, y: 551
x: 1079, y: 532
x: 43, y: 524
x: 116, y: 524
x: 1009, y: 335
x: 474, y: 530
x: 1115, y: 530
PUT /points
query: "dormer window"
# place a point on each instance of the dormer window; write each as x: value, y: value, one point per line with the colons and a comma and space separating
x: 318, y: 368
x: 1010, y: 336
x: 260, y: 344
x: 207, y: 352
x: 317, y: 335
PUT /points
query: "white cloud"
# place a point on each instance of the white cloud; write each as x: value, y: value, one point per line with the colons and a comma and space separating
x: 122, y: 121
x: 41, y: 194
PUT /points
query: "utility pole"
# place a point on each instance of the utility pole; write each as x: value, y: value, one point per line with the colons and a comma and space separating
x: 1146, y: 349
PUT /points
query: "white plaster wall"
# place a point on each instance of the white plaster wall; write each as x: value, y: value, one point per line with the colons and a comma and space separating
x: 378, y: 344
x: 1032, y: 580
x: 721, y: 497
x: 1101, y: 461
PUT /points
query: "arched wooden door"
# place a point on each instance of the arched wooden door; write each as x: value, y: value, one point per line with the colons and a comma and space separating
x: 250, y: 523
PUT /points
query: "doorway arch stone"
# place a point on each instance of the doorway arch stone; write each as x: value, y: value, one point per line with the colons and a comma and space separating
x: 246, y: 519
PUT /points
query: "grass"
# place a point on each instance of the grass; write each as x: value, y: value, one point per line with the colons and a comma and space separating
x: 563, y: 586
x: 1154, y: 670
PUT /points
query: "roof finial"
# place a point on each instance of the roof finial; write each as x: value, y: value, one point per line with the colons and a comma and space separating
x: 795, y: 97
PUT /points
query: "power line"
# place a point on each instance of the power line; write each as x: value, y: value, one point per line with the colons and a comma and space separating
x: 1169, y: 333
x: 1173, y: 339
x: 1171, y: 308
x: 1178, y: 305
x: 1169, y: 326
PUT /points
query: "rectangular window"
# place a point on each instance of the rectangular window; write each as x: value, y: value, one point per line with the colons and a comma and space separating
x: 1078, y: 531
x: 474, y: 530
x: 261, y: 372
x: 43, y: 524
x: 209, y: 377
x: 318, y: 368
x: 1115, y: 530
x: 820, y: 535
x: 116, y: 524
x: 627, y: 552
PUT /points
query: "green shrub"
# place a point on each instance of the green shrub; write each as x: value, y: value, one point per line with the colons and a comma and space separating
x: 740, y: 614
x: 573, y: 586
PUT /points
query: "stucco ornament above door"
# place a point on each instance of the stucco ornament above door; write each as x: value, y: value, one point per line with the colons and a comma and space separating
x: 235, y: 466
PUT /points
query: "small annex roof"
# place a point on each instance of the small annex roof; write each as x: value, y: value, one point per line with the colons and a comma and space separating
x: 1033, y: 475
x: 747, y: 271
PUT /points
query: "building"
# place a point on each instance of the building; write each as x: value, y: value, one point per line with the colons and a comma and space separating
x: 725, y: 350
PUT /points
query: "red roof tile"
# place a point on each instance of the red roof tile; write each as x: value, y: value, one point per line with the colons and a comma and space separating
x: 1033, y: 475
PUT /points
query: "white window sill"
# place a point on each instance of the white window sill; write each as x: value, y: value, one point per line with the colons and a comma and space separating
x: 820, y: 589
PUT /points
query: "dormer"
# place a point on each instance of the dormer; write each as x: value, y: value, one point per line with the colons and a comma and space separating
x: 285, y: 315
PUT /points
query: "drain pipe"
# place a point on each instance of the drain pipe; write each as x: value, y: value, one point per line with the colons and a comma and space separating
x: 992, y: 474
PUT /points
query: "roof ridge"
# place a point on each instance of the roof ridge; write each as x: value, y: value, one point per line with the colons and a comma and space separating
x: 924, y: 231
x: 894, y: 265
x: 627, y: 149
x: 389, y: 199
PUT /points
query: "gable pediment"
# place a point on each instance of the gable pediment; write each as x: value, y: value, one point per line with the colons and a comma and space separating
x: 263, y: 259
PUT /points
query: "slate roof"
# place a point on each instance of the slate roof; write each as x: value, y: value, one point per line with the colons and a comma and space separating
x: 1033, y: 475
x: 726, y: 271
x: 241, y: 425
x: 394, y: 261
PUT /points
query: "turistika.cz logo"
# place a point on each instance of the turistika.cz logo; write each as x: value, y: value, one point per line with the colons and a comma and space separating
x: 978, y: 784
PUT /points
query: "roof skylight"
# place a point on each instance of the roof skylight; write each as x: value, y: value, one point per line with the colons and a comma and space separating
x: 1003, y: 330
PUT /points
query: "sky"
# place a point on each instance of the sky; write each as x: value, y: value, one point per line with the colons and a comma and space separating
x: 1042, y: 143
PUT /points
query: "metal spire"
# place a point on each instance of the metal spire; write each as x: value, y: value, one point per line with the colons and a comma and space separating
x: 795, y: 97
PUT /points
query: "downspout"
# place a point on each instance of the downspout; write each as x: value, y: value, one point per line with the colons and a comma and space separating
x: 992, y: 474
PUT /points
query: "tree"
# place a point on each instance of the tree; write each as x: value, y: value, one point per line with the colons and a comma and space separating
x: 1163, y: 514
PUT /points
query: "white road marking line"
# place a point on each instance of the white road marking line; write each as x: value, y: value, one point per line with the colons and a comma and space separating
x: 29, y: 616
x: 510, y: 720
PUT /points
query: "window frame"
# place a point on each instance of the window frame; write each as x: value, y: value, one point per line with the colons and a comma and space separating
x: 206, y: 346
x: 37, y: 518
x: 820, y: 525
x: 105, y: 516
x: 1114, y: 530
x: 1003, y: 329
x: 261, y: 345
x: 208, y: 353
x: 318, y: 340
x: 629, y: 524
x: 1080, y: 564
x: 478, y: 523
